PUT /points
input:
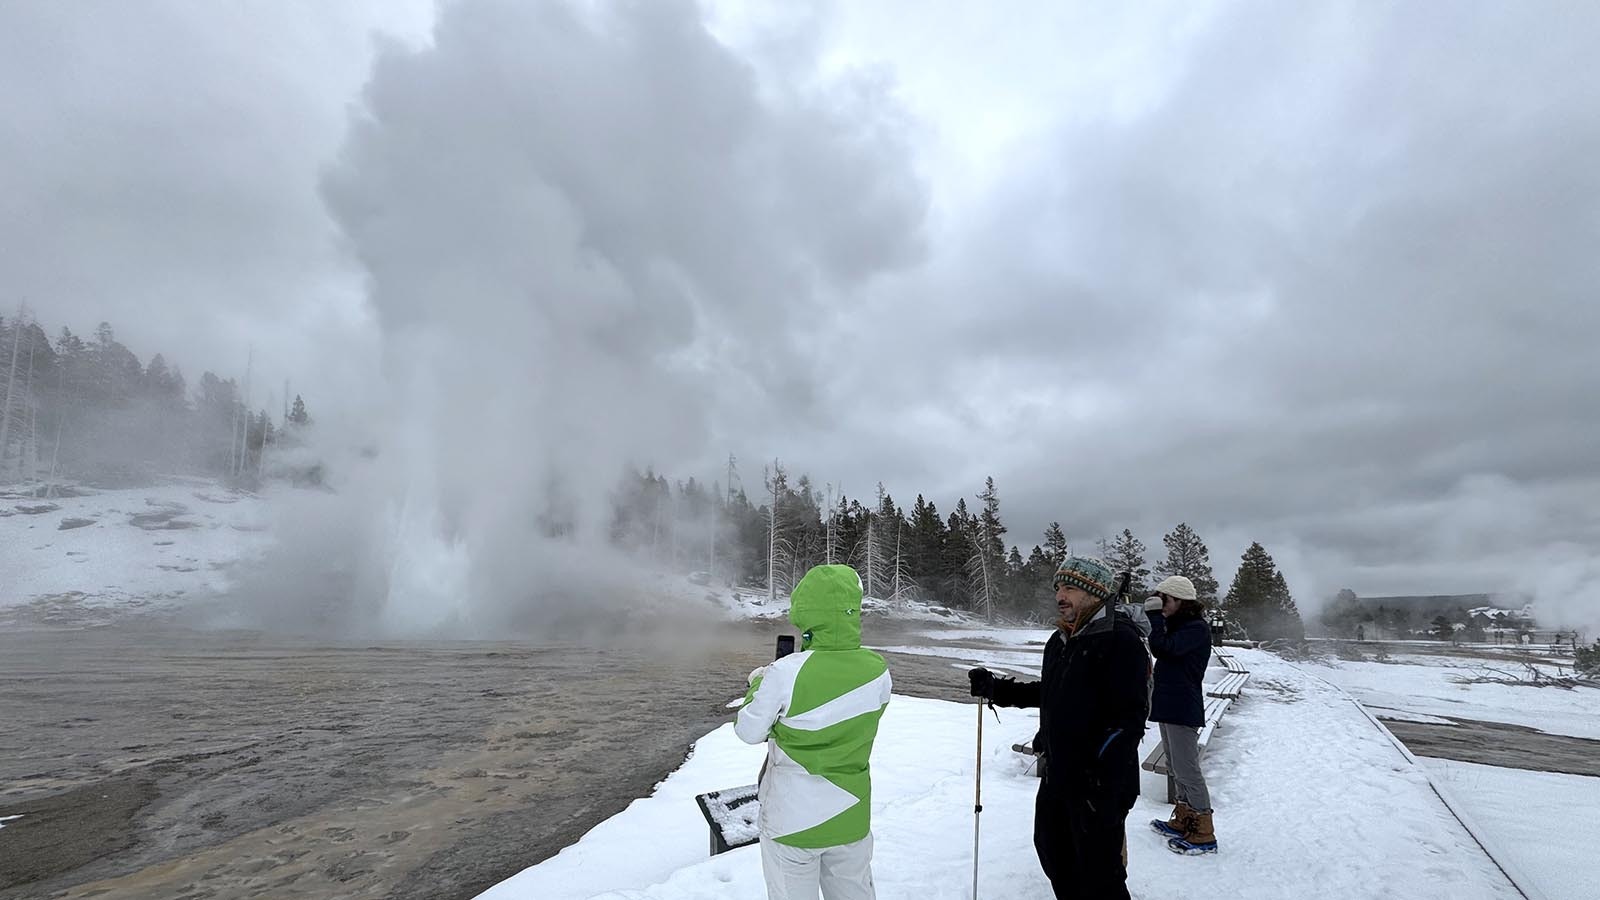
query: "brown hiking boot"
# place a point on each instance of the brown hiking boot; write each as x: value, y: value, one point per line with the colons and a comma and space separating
x: 1198, y: 838
x: 1178, y: 825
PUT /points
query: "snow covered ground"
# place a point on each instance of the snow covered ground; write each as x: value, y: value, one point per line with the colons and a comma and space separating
x: 752, y: 603
x: 740, y: 603
x: 1013, y: 662
x: 1313, y: 802
x: 914, y: 611
x: 126, y: 547
x: 1006, y: 637
x: 1424, y: 685
x: 139, y: 548
x: 1543, y: 817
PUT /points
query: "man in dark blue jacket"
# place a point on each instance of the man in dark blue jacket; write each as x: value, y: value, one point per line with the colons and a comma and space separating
x: 1180, y: 640
x: 1091, y: 701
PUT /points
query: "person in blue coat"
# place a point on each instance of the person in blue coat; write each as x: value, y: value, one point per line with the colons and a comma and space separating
x: 1180, y: 641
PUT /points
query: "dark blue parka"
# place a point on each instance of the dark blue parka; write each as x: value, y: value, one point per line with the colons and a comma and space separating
x: 1182, y: 648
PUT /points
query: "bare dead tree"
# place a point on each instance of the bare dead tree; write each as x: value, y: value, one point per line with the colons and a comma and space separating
x: 1529, y: 676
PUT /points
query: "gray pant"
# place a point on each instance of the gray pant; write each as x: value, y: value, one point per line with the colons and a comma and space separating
x: 1183, y: 759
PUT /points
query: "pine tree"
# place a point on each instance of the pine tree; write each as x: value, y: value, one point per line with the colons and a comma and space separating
x: 1055, y: 545
x: 1287, y: 613
x: 749, y: 526
x: 297, y: 413
x: 1035, y: 595
x: 1187, y: 556
x: 887, y: 510
x: 807, y: 530
x: 1442, y: 629
x: 117, y: 373
x: 927, y: 539
x: 156, y: 376
x: 1016, y: 585
x: 1259, y: 599
x: 955, y: 554
x: 986, y: 568
x: 1040, y: 564
x: 990, y: 529
x: 1126, y: 554
x: 850, y: 528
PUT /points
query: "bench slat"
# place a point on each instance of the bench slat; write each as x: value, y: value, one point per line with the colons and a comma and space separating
x: 1157, y: 760
x: 1214, y: 710
x: 1230, y: 686
x: 1232, y: 665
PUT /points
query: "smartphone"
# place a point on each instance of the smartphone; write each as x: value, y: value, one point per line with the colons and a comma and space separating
x: 785, y: 645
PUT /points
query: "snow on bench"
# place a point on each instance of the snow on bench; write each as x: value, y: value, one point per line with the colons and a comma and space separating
x: 1230, y: 686
x: 1220, y: 697
x: 733, y: 815
x: 1215, y: 707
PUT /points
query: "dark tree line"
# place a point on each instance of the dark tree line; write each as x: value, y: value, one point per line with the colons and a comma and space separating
x: 765, y: 539
x: 90, y: 409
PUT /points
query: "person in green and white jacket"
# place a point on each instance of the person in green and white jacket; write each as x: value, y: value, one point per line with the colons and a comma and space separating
x: 818, y: 711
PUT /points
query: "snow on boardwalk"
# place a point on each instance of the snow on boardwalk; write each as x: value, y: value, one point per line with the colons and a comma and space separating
x: 1312, y: 801
x: 1544, y: 817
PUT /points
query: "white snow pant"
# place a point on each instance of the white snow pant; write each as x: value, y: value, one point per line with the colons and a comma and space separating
x: 794, y: 873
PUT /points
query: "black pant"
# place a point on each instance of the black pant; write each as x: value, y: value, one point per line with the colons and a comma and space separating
x: 1079, y: 841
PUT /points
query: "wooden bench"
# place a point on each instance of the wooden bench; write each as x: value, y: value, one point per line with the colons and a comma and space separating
x: 1230, y: 686
x: 1215, y: 707
x: 732, y: 814
x: 1220, y: 697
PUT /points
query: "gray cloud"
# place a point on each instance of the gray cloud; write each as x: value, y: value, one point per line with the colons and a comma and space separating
x: 1320, y: 278
x: 158, y: 170
x: 1332, y: 278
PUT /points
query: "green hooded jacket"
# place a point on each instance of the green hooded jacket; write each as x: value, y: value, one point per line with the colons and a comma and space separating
x: 818, y: 711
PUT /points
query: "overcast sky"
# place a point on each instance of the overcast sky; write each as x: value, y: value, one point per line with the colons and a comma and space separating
x: 1320, y: 277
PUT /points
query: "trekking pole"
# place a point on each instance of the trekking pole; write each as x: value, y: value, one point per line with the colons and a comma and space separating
x: 977, y: 801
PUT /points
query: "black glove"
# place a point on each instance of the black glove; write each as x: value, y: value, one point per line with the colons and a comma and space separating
x: 982, y: 683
